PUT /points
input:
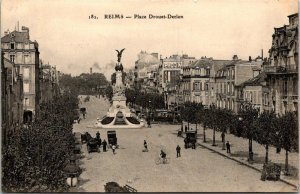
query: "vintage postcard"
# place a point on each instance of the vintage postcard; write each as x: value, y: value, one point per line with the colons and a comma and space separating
x: 149, y: 96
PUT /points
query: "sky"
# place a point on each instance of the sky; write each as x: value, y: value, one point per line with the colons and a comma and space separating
x: 213, y: 28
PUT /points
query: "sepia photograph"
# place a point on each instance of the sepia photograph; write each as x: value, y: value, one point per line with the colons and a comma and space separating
x: 149, y: 96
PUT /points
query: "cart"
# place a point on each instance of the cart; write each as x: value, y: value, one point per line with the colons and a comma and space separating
x: 190, y: 139
x: 112, y: 138
x: 271, y: 171
x: 93, y: 146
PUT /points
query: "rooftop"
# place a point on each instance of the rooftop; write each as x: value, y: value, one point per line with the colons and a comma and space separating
x: 256, y: 81
x: 15, y: 36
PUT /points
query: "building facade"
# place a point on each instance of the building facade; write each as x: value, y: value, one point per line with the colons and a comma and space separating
x: 11, y: 99
x: 282, y: 67
x: 49, y: 86
x: 24, y: 53
x: 146, y: 71
x: 230, y: 77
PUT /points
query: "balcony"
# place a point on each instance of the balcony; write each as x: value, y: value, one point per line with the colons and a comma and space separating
x: 292, y: 98
x: 281, y: 69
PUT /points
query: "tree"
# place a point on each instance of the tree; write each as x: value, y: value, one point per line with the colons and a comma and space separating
x: 205, y: 117
x: 199, y: 114
x: 29, y: 161
x: 288, y: 133
x: 188, y: 113
x: 247, y: 115
x: 193, y: 110
x: 265, y: 133
x: 109, y: 92
x: 225, y: 117
x: 213, y: 121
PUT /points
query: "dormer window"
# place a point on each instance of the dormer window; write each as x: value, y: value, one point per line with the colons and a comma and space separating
x: 12, y: 45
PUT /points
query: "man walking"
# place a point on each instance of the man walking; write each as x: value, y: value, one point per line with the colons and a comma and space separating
x: 104, y: 145
x: 228, y: 147
x: 193, y: 140
x: 145, y: 146
x: 185, y: 129
x: 178, y: 148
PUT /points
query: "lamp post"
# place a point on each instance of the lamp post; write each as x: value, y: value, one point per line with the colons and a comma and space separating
x: 166, y: 102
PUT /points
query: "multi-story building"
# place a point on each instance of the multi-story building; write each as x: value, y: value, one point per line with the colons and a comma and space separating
x: 11, y: 99
x: 231, y: 76
x: 24, y: 53
x: 282, y: 69
x: 198, y: 80
x: 146, y: 68
x: 254, y: 91
x: 48, y: 83
x: 170, y: 70
x: 187, y: 60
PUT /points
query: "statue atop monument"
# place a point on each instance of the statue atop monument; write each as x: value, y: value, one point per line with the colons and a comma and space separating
x: 119, y: 66
x: 120, y: 54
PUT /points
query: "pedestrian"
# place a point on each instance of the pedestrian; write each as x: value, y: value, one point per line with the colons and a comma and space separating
x: 104, y: 145
x: 83, y: 115
x: 223, y: 136
x: 145, y: 146
x: 181, y: 128
x: 193, y: 140
x: 185, y: 143
x: 98, y: 135
x: 178, y: 148
x: 78, y: 121
x: 185, y: 129
x: 148, y: 123
x: 228, y: 147
x: 113, y: 149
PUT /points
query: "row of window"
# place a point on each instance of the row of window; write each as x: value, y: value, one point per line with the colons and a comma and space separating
x: 229, y: 103
x: 221, y: 87
x: 200, y: 86
x: 26, y: 59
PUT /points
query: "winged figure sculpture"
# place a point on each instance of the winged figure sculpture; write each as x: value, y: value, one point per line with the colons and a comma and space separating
x: 120, y: 54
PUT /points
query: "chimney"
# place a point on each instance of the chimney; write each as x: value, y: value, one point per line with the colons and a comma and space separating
x: 26, y: 30
x: 91, y: 70
x: 262, y: 53
x: 250, y: 59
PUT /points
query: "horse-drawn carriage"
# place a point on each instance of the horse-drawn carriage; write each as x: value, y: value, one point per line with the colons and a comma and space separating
x: 85, y: 137
x: 190, y: 139
x: 112, y: 138
x: 93, y: 145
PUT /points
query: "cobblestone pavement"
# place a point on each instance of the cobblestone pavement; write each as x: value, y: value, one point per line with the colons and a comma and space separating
x: 198, y: 170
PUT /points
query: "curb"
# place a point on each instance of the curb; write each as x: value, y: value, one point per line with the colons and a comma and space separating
x: 240, y: 162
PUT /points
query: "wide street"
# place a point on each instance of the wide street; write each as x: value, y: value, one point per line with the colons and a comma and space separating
x: 197, y: 170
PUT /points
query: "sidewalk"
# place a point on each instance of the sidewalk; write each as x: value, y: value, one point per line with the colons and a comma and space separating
x: 239, y: 153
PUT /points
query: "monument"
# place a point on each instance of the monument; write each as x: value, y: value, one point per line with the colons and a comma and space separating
x: 119, y: 115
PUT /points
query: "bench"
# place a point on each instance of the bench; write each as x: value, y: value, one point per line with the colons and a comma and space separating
x: 130, y: 189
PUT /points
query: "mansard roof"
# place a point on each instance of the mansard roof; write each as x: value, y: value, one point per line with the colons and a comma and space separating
x: 15, y: 36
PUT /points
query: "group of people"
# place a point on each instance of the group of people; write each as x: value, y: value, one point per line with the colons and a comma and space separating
x: 104, y: 143
x: 163, y: 154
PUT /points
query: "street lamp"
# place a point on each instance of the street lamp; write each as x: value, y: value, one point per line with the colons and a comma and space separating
x: 72, y: 171
x: 166, y: 106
